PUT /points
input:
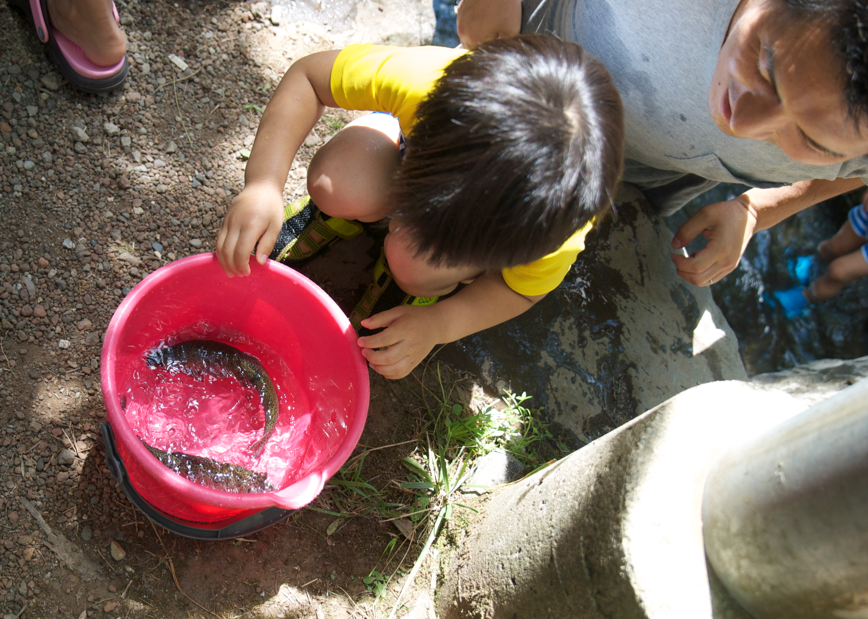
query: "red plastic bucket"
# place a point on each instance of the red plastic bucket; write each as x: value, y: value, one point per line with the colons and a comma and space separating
x: 284, y: 311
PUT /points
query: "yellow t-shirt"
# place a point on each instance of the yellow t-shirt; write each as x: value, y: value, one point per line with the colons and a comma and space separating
x: 395, y: 80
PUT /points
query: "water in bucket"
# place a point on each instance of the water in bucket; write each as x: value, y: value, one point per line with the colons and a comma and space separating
x: 212, y: 414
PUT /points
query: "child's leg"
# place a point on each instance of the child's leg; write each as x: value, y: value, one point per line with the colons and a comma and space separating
x: 351, y: 175
x: 852, y: 235
x: 841, y: 272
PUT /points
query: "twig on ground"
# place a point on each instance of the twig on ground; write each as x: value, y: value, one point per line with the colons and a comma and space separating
x: 23, y: 608
x: 180, y: 115
x: 63, y: 548
x: 186, y: 77
x: 71, y: 443
x: 102, y: 556
x: 4, y: 354
x: 174, y: 576
x: 177, y: 584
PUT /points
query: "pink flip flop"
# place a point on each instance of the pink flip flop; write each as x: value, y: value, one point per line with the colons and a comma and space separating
x: 77, y: 68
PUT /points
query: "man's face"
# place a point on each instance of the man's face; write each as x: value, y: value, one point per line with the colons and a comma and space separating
x: 778, y: 80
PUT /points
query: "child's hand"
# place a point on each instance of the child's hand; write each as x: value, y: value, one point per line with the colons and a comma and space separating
x: 409, y: 336
x: 253, y: 221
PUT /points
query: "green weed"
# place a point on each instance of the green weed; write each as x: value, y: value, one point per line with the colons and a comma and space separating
x: 453, y: 438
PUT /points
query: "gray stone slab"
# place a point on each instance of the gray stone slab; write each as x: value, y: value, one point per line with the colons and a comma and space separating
x: 621, y: 335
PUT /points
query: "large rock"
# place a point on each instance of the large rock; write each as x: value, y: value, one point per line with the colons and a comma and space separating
x: 622, y: 334
x: 616, y: 528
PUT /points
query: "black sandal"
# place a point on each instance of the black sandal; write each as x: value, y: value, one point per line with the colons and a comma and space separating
x: 383, y: 294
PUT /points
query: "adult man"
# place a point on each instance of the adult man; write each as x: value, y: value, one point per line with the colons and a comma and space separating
x: 769, y: 93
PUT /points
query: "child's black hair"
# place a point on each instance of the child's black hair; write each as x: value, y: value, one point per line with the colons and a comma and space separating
x: 519, y: 144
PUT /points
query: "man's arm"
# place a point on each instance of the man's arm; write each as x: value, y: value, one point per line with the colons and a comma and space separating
x: 483, y: 20
x: 412, y: 332
x: 728, y: 226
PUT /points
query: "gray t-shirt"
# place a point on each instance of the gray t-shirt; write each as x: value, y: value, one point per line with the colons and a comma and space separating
x: 662, y: 55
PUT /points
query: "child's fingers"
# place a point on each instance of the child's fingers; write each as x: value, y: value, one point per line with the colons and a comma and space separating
x: 266, y: 242
x: 222, y: 244
x: 238, y: 257
x: 383, y: 319
x: 385, y: 355
x: 227, y: 254
x: 394, y: 371
x: 379, y: 340
x: 393, y: 362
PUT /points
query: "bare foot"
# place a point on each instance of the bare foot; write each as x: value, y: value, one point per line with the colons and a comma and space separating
x: 91, y: 25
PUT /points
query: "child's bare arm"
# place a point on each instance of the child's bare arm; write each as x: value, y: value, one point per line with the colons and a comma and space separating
x: 256, y: 215
x: 412, y: 332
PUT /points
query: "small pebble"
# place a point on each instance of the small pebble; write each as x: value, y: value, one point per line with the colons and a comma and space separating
x: 52, y: 81
x: 78, y: 134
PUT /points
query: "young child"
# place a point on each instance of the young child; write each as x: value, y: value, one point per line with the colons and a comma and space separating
x: 847, y: 254
x: 498, y: 163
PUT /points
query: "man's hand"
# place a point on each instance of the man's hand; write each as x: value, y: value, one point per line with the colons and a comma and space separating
x: 253, y: 221
x: 728, y: 226
x: 484, y: 20
x: 407, y: 340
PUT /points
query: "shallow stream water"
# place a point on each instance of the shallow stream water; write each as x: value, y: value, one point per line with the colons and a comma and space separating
x: 768, y: 340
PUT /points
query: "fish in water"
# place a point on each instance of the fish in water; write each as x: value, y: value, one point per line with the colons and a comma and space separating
x: 196, y: 357
x: 210, y: 473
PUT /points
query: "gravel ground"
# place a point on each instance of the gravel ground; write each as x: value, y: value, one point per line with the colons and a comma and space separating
x: 96, y: 192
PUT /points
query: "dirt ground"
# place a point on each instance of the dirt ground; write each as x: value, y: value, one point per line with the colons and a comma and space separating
x: 96, y: 192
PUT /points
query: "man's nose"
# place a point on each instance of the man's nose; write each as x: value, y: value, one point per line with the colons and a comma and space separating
x: 756, y: 112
